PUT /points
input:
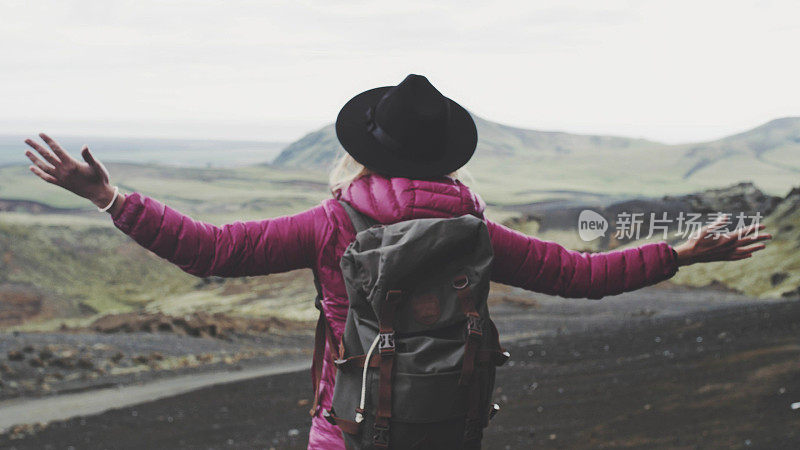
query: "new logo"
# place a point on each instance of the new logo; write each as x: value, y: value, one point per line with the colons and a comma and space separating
x: 591, y: 225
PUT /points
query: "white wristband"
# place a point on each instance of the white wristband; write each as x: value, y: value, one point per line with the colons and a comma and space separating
x: 113, y: 199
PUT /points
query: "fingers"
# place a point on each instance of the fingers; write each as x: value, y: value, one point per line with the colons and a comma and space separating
x: 744, y: 252
x: 47, y: 168
x: 752, y: 239
x: 749, y: 249
x: 62, y: 155
x: 745, y: 247
x: 45, y: 176
x: 743, y: 236
x: 46, y: 154
x: 98, y: 167
x: 87, y: 156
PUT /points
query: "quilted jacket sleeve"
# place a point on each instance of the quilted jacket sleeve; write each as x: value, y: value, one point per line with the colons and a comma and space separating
x: 238, y: 249
x: 547, y: 267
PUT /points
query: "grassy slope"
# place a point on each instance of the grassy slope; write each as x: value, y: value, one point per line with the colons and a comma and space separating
x: 770, y: 272
x: 94, y: 265
x: 97, y: 269
x: 81, y: 259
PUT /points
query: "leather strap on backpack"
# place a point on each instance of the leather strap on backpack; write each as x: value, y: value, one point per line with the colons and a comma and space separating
x: 473, y: 427
x: 321, y: 335
x: 383, y: 413
x: 474, y: 328
x: 316, y: 362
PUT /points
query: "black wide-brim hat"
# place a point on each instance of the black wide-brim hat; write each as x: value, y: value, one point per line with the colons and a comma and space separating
x: 409, y: 130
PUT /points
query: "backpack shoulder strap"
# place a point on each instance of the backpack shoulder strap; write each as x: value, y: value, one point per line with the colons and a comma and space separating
x: 360, y: 221
x: 320, y: 336
x: 323, y: 333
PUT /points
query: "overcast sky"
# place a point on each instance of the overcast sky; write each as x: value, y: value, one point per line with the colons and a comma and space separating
x: 666, y: 70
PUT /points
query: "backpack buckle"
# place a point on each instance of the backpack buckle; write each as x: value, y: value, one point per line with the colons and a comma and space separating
x: 381, y: 436
x: 386, y: 342
x: 474, y: 325
x: 328, y: 415
x: 460, y: 282
x: 493, y: 410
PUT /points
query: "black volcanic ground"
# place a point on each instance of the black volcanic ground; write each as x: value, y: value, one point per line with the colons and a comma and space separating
x: 615, y: 374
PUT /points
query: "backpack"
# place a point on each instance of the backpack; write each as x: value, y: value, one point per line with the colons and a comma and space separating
x: 416, y: 363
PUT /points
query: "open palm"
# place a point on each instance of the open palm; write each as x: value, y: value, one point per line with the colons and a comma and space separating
x: 713, y: 243
x: 88, y: 178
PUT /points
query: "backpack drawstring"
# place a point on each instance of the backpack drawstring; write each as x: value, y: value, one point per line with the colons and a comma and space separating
x: 359, y: 415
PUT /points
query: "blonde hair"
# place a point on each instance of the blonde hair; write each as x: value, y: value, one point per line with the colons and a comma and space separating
x: 347, y: 170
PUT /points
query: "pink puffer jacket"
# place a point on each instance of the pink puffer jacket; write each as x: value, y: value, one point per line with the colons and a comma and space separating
x: 316, y: 239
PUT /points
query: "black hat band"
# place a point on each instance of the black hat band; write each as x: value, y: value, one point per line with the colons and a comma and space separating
x: 379, y: 133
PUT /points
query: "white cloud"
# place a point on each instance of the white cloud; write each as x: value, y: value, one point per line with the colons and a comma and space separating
x: 669, y: 70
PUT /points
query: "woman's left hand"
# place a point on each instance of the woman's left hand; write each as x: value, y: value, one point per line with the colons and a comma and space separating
x: 712, y: 244
x: 89, y: 179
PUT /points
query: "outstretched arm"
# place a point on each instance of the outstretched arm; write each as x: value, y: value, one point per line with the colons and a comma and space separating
x: 548, y: 267
x: 202, y: 249
x: 237, y: 249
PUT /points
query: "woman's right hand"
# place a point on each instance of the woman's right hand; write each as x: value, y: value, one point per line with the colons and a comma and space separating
x: 88, y: 179
x: 715, y: 243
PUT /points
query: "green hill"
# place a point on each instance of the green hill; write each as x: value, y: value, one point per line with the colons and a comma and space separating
x: 515, y: 165
x: 770, y: 148
x: 318, y: 149
x: 315, y: 150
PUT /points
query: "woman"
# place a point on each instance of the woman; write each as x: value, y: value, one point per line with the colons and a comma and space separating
x: 404, y: 144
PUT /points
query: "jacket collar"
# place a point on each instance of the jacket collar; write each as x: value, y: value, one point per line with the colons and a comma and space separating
x: 394, y: 199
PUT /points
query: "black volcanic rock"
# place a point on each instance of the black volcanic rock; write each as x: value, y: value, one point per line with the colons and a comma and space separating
x: 739, y: 198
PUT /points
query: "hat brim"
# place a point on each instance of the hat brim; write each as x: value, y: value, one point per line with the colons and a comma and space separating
x: 351, y: 130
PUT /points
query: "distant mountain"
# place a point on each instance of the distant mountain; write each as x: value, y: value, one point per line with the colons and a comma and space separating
x: 776, y: 144
x: 319, y: 148
x: 531, y: 165
x: 316, y: 150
